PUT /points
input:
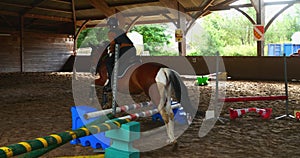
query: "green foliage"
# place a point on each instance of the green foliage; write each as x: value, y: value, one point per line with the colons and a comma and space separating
x: 232, y: 34
x: 239, y: 50
x: 223, y: 32
x: 155, y: 38
x: 92, y: 36
x: 282, y: 29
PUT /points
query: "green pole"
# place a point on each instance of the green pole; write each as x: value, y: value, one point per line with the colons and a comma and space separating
x: 55, y: 140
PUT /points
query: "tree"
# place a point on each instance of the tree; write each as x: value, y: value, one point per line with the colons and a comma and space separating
x: 155, y: 37
x: 284, y: 27
x: 92, y: 36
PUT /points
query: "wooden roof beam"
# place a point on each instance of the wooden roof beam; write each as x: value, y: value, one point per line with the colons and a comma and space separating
x: 217, y: 8
x: 137, y: 23
x: 120, y: 4
x: 62, y: 2
x: 203, y: 9
x: 32, y: 6
x: 54, y: 10
x: 14, y: 5
x: 28, y: 8
x: 102, y: 6
x: 145, y: 13
x: 8, y: 13
x: 173, y: 4
x: 45, y: 17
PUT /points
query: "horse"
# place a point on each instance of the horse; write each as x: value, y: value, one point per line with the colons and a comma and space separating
x: 156, y: 81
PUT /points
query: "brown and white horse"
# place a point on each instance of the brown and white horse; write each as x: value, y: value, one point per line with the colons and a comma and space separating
x: 156, y: 81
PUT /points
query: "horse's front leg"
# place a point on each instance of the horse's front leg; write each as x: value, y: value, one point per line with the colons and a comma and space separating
x: 104, y: 99
x: 170, y: 115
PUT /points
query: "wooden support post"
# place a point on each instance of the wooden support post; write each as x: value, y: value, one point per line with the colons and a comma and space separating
x: 260, y: 20
x: 75, y: 27
x: 122, y: 20
x: 182, y: 26
x: 21, y: 43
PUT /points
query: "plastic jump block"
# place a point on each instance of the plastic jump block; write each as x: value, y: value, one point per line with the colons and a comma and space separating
x: 180, y: 115
x: 202, y: 81
x: 122, y: 141
x: 95, y: 141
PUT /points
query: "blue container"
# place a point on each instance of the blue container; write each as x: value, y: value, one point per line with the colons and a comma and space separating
x: 289, y: 48
x: 274, y: 50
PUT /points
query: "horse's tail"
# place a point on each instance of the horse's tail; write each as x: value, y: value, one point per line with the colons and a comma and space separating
x: 181, y: 92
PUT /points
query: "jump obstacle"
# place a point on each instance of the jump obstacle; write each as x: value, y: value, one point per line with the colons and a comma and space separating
x: 99, y: 140
x: 238, y: 112
x: 40, y: 146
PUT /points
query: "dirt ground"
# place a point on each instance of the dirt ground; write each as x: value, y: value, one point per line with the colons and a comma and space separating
x: 38, y: 104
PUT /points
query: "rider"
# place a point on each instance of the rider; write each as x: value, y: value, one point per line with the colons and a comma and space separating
x: 118, y: 36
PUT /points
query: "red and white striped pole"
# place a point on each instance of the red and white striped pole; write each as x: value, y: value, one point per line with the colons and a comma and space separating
x: 264, y: 113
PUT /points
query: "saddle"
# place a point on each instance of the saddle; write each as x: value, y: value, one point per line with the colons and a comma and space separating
x: 122, y: 72
x: 127, y: 66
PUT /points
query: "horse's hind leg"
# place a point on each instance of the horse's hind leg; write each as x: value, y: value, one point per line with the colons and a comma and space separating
x: 170, y: 114
x: 158, y: 94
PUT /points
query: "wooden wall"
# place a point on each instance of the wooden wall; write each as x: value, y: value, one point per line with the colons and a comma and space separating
x: 41, y: 52
x: 50, y: 52
x: 242, y: 68
x: 238, y: 68
x: 9, y: 53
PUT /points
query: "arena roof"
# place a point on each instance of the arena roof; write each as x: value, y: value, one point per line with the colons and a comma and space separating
x: 59, y: 16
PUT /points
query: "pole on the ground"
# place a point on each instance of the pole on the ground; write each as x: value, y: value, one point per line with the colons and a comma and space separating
x: 286, y: 91
x: 42, y: 145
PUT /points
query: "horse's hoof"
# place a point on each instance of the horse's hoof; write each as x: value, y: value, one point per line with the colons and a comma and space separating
x: 175, y: 146
x: 169, y: 141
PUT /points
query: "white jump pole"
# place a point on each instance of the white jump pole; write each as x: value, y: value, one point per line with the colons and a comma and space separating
x: 123, y: 108
x: 145, y: 113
